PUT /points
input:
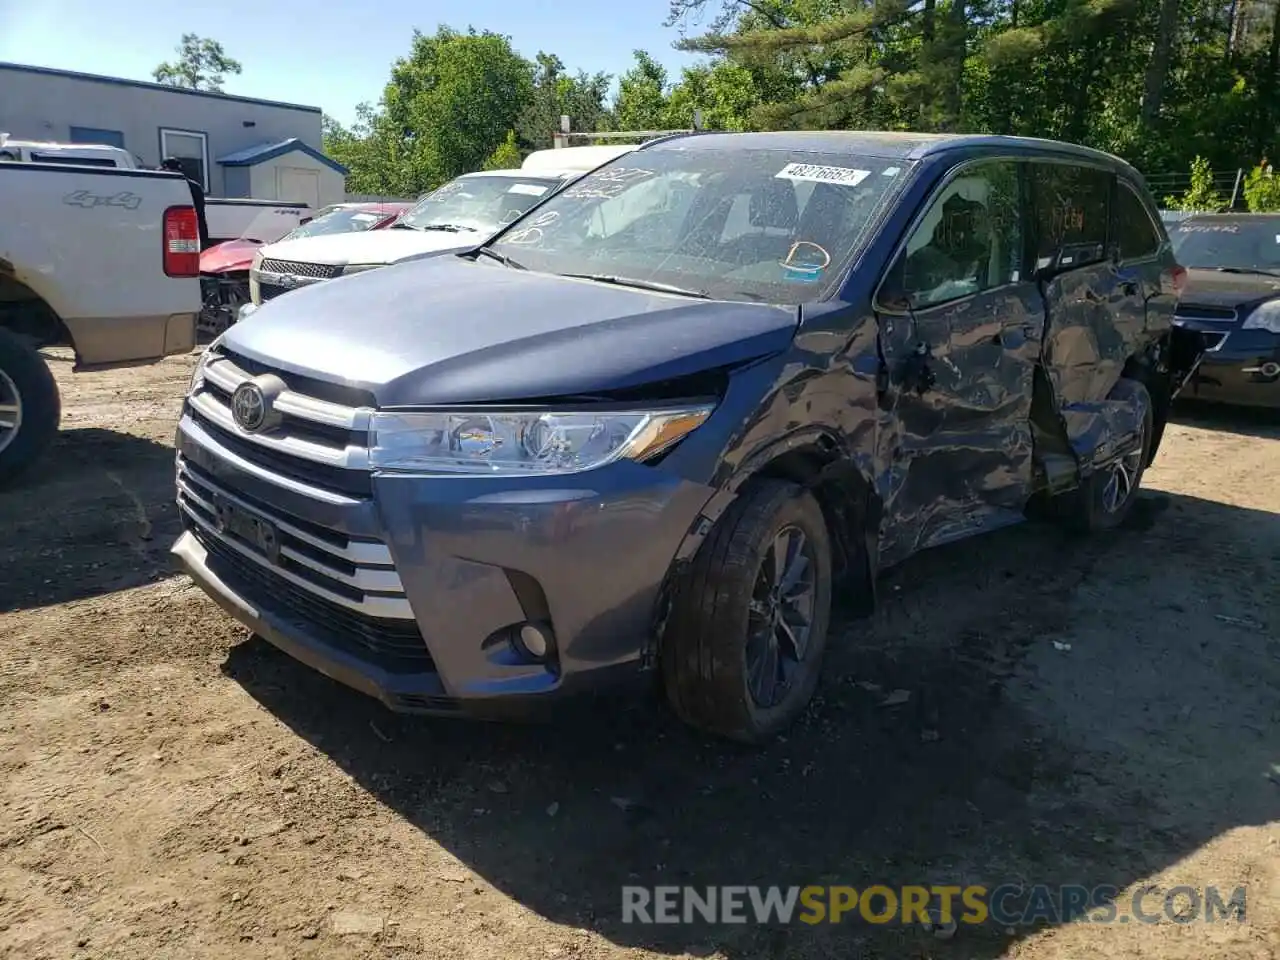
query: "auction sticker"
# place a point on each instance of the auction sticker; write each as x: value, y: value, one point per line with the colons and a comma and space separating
x: 819, y: 174
x: 528, y: 189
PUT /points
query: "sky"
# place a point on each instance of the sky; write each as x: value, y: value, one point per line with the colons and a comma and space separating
x: 332, y: 54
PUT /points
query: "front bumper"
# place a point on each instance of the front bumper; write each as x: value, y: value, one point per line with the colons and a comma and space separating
x: 476, y: 558
x: 1243, y: 370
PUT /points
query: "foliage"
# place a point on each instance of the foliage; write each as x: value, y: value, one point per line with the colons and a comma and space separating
x: 201, y: 65
x: 507, y: 156
x: 1201, y: 197
x: 1262, y: 189
x: 555, y: 94
x: 1161, y: 83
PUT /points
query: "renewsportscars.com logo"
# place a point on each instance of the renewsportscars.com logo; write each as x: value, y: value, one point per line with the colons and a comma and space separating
x: 1009, y: 905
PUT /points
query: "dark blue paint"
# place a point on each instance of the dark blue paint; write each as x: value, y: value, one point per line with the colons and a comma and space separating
x: 824, y: 379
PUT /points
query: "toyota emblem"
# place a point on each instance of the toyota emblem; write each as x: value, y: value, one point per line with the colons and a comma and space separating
x: 249, y: 406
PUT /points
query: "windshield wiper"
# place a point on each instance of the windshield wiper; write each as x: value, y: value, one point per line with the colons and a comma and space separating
x: 639, y: 284
x: 502, y: 258
x: 447, y: 227
x: 401, y: 226
x: 1258, y: 271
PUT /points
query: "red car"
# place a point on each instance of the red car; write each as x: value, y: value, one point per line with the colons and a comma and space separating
x: 224, y: 267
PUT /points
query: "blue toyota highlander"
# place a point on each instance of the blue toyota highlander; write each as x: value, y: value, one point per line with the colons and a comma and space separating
x: 657, y: 421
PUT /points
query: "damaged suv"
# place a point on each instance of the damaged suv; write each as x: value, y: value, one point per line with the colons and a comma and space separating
x: 657, y: 421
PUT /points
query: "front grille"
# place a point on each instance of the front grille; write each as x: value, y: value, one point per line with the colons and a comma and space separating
x: 1191, y: 311
x: 319, y: 440
x: 268, y: 291
x: 313, y: 271
x: 344, y: 590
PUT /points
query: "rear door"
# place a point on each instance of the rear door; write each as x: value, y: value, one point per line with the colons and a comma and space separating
x: 960, y: 321
x: 1095, y: 305
x: 1138, y: 242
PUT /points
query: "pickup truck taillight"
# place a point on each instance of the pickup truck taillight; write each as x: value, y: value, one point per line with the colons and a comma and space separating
x: 181, y: 242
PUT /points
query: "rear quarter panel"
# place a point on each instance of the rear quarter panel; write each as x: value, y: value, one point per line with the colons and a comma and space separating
x: 90, y: 243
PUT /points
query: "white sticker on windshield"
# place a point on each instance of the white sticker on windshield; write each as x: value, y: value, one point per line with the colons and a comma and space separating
x: 364, y: 217
x: 846, y: 176
x: 528, y: 189
x: 890, y: 172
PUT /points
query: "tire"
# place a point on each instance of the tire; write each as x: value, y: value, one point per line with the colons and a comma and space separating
x: 29, y: 401
x: 1093, y: 507
x: 719, y: 624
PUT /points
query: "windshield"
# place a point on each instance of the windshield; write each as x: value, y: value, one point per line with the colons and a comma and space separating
x: 341, y: 220
x: 1239, y: 244
x: 773, y: 225
x: 479, y: 203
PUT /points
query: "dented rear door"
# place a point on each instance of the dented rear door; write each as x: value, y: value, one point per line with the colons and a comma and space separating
x: 1096, y: 302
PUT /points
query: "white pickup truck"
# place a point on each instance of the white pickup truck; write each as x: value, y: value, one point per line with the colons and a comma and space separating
x: 104, y: 259
x: 228, y: 218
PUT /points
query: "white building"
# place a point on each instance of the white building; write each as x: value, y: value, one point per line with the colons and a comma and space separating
x: 234, y: 146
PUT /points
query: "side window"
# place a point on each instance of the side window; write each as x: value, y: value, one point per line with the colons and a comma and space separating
x: 1071, y: 213
x: 1131, y: 227
x: 970, y: 240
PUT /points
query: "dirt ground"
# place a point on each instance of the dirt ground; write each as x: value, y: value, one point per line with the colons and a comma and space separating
x: 1075, y: 712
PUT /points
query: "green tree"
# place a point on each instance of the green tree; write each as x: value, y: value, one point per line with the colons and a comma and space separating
x: 1201, y: 197
x: 725, y: 92
x: 641, y: 103
x: 201, y: 65
x: 1262, y: 189
x: 507, y: 156
x: 556, y: 93
x: 451, y: 101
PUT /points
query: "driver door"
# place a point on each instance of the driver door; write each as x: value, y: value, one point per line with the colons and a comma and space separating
x: 960, y: 323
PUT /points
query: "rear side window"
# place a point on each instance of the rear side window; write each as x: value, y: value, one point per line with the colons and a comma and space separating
x: 1072, y: 208
x: 1132, y: 229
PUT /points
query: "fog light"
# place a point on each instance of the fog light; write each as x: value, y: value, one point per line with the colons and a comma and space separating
x: 534, y: 640
x: 1270, y: 369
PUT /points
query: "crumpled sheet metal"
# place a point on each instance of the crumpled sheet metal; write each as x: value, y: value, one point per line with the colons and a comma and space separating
x: 1087, y: 343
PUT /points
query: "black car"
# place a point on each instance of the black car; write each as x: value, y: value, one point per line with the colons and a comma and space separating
x: 645, y: 427
x: 1231, y: 297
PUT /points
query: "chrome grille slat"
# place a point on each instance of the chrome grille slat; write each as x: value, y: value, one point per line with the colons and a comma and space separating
x: 382, y: 607
x: 224, y: 372
x: 297, y: 268
x: 356, y: 552
x: 201, y: 436
x: 348, y: 458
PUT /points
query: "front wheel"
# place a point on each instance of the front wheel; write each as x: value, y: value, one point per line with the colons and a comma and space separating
x: 29, y: 406
x: 743, y: 647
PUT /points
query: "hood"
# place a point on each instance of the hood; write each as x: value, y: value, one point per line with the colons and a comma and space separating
x: 370, y: 246
x: 455, y: 330
x: 1213, y: 288
x: 231, y: 255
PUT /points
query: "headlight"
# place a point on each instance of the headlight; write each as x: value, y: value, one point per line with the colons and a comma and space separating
x: 1265, y: 317
x: 197, y: 375
x: 255, y: 295
x: 522, y: 443
x: 351, y: 268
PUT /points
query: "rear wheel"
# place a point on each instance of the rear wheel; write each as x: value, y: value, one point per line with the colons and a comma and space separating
x: 29, y: 406
x: 748, y: 626
x: 1105, y: 498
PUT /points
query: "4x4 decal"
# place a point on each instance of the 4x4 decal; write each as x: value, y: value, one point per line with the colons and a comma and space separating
x: 83, y: 198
